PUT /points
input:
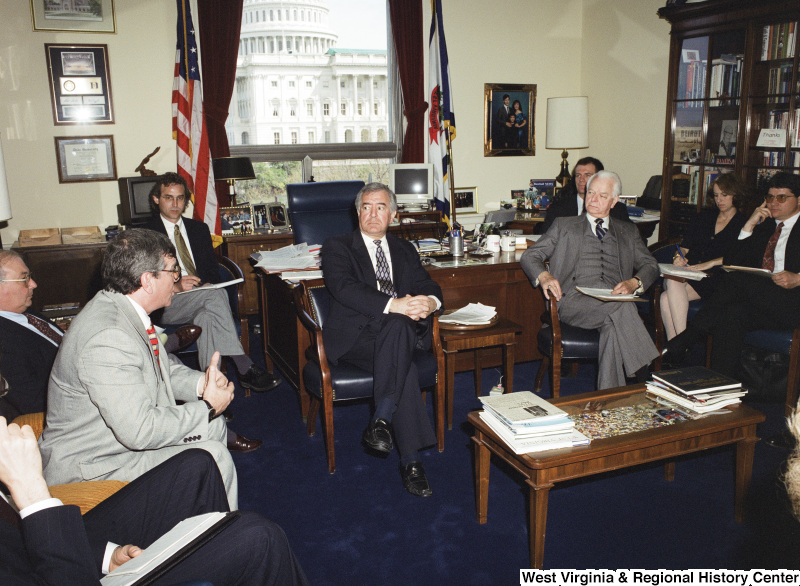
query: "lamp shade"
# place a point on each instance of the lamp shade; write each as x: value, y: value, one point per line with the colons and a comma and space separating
x: 228, y: 168
x: 568, y: 123
x: 5, y: 202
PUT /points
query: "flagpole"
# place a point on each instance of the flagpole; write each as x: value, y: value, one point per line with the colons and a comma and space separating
x: 452, y: 178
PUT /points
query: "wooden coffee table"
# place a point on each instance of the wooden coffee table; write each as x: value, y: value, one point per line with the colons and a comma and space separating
x: 543, y: 469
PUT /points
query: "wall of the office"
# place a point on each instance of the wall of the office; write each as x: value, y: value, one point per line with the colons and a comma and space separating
x: 614, y: 51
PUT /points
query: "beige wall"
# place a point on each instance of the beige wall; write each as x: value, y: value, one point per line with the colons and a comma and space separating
x: 614, y: 51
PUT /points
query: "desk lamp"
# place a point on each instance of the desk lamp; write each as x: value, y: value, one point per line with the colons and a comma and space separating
x: 5, y: 202
x: 232, y: 168
x: 567, y: 128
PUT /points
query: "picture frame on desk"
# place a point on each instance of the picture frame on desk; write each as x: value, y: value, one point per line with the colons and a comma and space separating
x: 260, y: 217
x: 99, y: 18
x: 466, y: 200
x: 236, y: 220
x: 85, y: 158
x: 501, y: 137
x: 277, y: 216
x: 80, y: 86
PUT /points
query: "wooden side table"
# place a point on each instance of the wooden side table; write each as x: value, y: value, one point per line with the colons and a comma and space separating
x: 500, y: 334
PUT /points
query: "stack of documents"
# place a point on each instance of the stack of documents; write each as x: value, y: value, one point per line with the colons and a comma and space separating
x: 473, y: 314
x: 427, y: 244
x: 527, y: 423
x: 682, y: 272
x: 694, y: 391
x: 289, y: 258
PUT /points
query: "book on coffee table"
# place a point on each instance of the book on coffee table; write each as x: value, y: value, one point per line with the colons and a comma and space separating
x: 523, y: 408
x: 694, y: 380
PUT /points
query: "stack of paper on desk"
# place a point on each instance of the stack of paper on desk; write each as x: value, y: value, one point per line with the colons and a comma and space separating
x: 472, y: 314
x: 528, y: 423
x: 289, y: 258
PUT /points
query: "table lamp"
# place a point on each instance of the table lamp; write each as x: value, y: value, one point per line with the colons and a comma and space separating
x: 232, y: 168
x: 5, y: 202
x: 567, y: 128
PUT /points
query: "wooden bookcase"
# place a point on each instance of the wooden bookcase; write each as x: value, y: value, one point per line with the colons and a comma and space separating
x: 733, y: 72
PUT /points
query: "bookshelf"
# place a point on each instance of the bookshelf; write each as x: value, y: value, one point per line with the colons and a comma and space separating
x: 733, y: 100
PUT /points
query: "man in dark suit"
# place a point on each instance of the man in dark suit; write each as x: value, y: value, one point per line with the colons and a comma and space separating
x: 770, y: 239
x: 382, y: 297
x: 208, y: 309
x: 48, y: 542
x: 570, y: 201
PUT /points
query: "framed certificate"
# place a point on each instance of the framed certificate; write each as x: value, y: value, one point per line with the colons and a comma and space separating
x: 85, y: 158
x: 80, y: 87
x: 96, y: 16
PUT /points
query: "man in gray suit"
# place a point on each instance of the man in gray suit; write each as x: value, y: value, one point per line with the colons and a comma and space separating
x: 591, y: 250
x: 111, y: 403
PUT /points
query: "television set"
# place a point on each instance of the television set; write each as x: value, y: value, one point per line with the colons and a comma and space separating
x: 412, y: 183
x: 134, y: 199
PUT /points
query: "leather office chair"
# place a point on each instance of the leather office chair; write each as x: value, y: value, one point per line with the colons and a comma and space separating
x: 322, y: 209
x: 328, y: 384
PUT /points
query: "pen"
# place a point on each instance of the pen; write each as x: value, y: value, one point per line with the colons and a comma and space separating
x: 681, y: 253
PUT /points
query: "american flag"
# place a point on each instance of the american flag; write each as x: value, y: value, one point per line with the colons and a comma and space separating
x: 189, y: 124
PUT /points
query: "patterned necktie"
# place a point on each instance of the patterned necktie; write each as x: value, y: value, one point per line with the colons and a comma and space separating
x: 43, y: 327
x: 151, y: 331
x: 599, y: 230
x: 769, y: 254
x: 8, y: 514
x: 183, y: 252
x: 382, y: 273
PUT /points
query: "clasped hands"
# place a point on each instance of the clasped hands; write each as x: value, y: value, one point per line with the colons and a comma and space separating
x: 217, y: 390
x: 551, y: 286
x: 417, y: 307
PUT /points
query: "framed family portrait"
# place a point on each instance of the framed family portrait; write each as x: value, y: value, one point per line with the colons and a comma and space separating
x: 80, y: 88
x: 83, y: 16
x: 509, y: 112
x: 466, y: 200
x: 85, y: 158
x: 236, y: 220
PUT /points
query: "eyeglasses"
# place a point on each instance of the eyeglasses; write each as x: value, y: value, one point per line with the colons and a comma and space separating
x: 176, y: 272
x: 26, y: 279
x: 781, y: 197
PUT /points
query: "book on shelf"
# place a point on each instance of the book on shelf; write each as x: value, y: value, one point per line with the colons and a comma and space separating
x: 692, y: 380
x: 523, y: 408
x: 778, y: 41
x: 536, y: 443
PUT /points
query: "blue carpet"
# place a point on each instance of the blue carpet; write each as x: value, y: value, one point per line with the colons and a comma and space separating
x: 359, y: 525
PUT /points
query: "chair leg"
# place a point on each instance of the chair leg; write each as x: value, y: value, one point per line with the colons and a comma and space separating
x: 478, y: 372
x: 545, y: 364
x: 327, y: 424
x: 555, y: 376
x: 311, y: 421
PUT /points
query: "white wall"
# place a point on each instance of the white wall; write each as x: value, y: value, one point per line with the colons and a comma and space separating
x: 614, y: 51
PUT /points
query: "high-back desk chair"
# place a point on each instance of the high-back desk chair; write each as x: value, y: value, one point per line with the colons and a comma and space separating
x: 322, y: 209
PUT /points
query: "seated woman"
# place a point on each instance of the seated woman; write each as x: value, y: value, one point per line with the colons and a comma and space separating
x: 710, y: 234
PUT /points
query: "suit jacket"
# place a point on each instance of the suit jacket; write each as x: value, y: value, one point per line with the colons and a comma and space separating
x: 109, y: 402
x: 562, y: 246
x: 350, y: 278
x: 205, y: 261
x: 567, y: 205
x: 25, y: 361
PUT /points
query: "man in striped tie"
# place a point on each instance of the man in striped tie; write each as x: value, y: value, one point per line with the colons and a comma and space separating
x: 382, y: 297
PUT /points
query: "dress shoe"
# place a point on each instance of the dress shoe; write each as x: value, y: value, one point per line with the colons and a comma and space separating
x: 241, y: 444
x: 183, y: 337
x: 784, y: 440
x: 228, y: 415
x: 378, y: 436
x: 414, y: 479
x: 258, y: 380
x: 674, y: 356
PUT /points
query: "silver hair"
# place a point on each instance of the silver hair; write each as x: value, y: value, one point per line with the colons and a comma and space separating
x: 617, y: 182
x: 7, y: 256
x: 372, y: 188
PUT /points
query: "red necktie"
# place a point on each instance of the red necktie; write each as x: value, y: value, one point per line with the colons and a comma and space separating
x: 151, y: 331
x: 8, y: 514
x: 769, y: 254
x: 43, y: 327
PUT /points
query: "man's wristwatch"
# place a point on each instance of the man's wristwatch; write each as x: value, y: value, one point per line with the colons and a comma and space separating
x: 212, y: 413
x: 640, y: 288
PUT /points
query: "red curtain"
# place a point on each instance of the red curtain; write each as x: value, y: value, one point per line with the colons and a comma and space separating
x: 406, y: 16
x: 220, y: 22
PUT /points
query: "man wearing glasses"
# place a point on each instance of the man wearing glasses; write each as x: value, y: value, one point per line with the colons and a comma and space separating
x: 112, y: 411
x: 745, y: 302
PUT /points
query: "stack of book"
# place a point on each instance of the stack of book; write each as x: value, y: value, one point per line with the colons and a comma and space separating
x: 695, y: 391
x: 527, y: 423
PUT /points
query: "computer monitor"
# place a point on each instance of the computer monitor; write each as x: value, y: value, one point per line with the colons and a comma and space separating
x: 134, y: 197
x: 412, y: 183
x: 500, y: 217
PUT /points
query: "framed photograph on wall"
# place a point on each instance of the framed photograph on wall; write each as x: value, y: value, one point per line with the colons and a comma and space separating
x: 466, y: 200
x: 509, y: 112
x: 85, y: 158
x: 236, y: 220
x: 80, y: 87
x: 95, y: 16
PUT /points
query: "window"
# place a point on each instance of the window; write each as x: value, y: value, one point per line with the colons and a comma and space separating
x: 274, y: 83
x: 310, y: 110
x: 358, y: 84
x: 327, y: 136
x: 360, y: 109
x: 292, y: 112
x: 245, y: 138
x: 276, y: 137
x: 326, y: 109
x: 375, y: 84
x: 291, y: 83
x: 348, y: 135
x: 381, y: 135
x: 341, y: 83
x: 343, y: 109
x: 271, y: 16
x: 310, y: 137
x: 309, y: 84
x: 275, y: 111
x: 364, y: 135
x: 294, y: 137
x: 375, y: 109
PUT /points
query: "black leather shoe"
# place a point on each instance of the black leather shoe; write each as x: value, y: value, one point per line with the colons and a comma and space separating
x: 242, y: 444
x: 228, y: 415
x: 378, y: 436
x: 258, y: 380
x: 784, y: 440
x: 674, y: 356
x: 414, y: 479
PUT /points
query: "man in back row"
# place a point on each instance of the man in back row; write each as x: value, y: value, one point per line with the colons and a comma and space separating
x: 208, y: 308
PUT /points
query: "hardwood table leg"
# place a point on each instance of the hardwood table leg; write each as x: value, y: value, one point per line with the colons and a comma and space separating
x: 669, y: 470
x: 478, y: 372
x: 450, y: 367
x: 508, y: 365
x: 744, y: 470
x: 481, y: 477
x: 265, y: 323
x: 537, y: 521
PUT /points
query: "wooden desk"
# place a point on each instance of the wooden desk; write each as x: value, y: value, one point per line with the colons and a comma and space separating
x: 543, y: 469
x: 499, y: 282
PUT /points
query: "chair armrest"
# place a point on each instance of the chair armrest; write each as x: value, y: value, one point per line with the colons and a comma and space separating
x: 35, y: 420
x: 236, y: 273
x: 302, y: 305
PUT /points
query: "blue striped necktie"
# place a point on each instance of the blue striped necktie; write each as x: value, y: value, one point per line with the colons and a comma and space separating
x: 599, y: 230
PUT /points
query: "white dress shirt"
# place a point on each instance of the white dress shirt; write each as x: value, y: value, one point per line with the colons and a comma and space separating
x: 780, y: 247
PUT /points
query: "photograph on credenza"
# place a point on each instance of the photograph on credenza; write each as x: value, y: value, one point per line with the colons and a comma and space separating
x: 540, y: 193
x: 82, y: 16
x: 260, y: 219
x: 466, y: 200
x: 509, y: 114
x: 236, y: 220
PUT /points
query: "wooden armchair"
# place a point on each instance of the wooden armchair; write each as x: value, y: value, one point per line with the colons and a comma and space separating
x: 86, y: 495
